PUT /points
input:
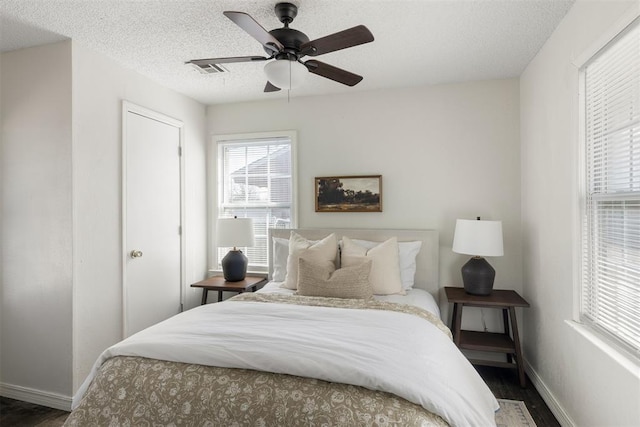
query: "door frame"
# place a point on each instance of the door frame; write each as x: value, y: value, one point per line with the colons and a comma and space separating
x: 129, y: 107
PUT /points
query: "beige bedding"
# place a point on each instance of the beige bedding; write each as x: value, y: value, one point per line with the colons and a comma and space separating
x: 145, y: 392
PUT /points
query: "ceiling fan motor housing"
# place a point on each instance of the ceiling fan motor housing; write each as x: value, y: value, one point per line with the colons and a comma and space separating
x: 291, y: 39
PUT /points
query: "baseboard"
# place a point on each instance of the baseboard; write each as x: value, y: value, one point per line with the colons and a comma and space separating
x: 39, y: 397
x: 558, y: 411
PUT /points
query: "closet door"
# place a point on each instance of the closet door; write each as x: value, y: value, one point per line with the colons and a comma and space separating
x: 151, y: 218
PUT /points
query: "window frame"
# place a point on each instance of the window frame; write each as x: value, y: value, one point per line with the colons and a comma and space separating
x: 582, y: 231
x: 214, y: 192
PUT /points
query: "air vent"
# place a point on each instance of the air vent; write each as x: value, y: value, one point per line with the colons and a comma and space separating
x: 210, y: 68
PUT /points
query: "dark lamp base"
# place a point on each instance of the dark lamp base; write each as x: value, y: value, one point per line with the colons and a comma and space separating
x: 234, y: 266
x: 477, y: 276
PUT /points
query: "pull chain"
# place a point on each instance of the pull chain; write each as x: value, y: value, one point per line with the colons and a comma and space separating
x: 289, y: 90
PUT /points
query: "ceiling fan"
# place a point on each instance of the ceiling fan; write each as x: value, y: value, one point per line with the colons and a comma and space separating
x: 286, y: 46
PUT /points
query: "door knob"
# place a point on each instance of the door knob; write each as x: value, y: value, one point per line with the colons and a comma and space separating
x: 136, y: 253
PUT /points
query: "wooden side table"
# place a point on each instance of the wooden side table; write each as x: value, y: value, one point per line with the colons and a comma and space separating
x: 217, y: 283
x: 507, y: 300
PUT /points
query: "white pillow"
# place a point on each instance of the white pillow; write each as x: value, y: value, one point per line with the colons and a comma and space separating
x: 322, y: 252
x: 407, y: 252
x: 385, y: 266
x: 280, y: 255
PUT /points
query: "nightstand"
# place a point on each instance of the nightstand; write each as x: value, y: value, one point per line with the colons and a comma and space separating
x: 217, y: 283
x: 507, y: 301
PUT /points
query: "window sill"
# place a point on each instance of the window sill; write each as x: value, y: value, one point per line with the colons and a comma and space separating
x: 626, y: 359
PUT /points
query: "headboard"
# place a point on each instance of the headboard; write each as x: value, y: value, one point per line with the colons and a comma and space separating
x: 427, y: 260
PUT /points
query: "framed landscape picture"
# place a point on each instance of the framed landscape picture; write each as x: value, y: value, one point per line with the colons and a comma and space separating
x: 361, y: 193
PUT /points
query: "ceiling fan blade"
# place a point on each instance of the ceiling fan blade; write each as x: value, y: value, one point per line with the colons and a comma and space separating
x: 210, y: 61
x: 333, y: 73
x: 271, y: 88
x: 341, y: 40
x: 255, y: 30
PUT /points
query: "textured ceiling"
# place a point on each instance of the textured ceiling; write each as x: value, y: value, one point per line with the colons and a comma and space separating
x: 416, y: 42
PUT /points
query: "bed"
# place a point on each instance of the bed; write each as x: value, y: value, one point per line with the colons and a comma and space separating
x: 338, y: 344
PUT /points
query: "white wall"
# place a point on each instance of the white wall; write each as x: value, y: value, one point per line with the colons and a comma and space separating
x: 36, y: 220
x: 444, y: 152
x: 61, y: 210
x: 589, y: 386
x: 99, y: 86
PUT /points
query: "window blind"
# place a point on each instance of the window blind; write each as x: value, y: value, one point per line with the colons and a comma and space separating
x: 611, y: 222
x: 256, y: 181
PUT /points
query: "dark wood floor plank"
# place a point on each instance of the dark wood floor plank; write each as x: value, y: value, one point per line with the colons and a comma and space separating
x: 24, y: 414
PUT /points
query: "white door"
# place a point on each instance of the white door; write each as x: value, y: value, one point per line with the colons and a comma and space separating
x: 151, y: 218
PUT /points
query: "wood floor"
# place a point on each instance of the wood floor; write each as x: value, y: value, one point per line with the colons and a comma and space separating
x: 504, y: 385
x: 502, y: 382
x: 23, y: 414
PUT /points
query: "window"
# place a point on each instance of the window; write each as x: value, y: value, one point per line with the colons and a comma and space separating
x: 256, y: 180
x: 611, y: 221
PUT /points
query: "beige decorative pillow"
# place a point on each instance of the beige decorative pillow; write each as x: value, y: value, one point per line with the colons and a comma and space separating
x: 315, y: 280
x: 385, y: 267
x: 321, y: 252
x: 407, y: 253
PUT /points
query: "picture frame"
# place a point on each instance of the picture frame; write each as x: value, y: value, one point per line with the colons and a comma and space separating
x: 350, y: 193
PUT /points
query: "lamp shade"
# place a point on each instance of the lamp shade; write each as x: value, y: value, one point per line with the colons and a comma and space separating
x: 286, y: 74
x: 478, y: 238
x: 234, y: 232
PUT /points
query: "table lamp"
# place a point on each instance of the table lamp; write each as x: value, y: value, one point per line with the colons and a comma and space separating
x: 234, y: 232
x: 478, y: 238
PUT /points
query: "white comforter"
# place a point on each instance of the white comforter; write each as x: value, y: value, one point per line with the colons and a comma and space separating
x: 381, y: 350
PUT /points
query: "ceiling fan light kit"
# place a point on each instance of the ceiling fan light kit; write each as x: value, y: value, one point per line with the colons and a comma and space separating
x: 286, y: 74
x: 286, y: 46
